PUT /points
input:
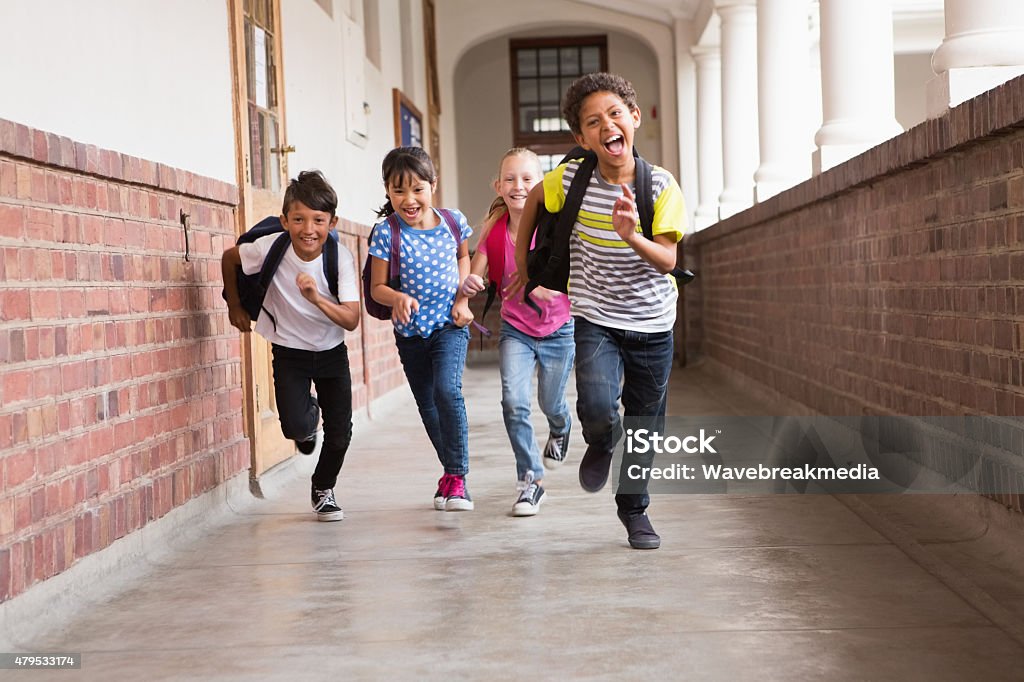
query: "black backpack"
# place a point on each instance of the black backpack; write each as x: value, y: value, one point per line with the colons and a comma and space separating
x: 252, y: 289
x: 378, y: 310
x: 548, y: 261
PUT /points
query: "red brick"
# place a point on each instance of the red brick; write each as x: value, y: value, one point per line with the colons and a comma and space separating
x: 12, y: 221
x: 45, y: 304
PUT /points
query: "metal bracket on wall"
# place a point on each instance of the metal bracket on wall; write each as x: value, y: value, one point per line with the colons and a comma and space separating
x: 184, y: 218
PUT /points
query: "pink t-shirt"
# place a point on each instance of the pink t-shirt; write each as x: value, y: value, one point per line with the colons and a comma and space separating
x: 554, y: 313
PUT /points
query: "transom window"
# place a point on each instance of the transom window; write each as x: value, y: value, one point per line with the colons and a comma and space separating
x: 542, y: 69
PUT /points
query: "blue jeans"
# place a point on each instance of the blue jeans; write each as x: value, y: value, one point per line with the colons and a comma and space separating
x: 551, y: 358
x: 613, y: 365
x: 433, y: 366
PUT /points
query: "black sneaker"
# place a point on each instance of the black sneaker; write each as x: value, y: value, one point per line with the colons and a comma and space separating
x: 594, y: 468
x: 556, y: 449
x: 308, y: 446
x: 530, y: 497
x: 641, y: 533
x: 324, y: 505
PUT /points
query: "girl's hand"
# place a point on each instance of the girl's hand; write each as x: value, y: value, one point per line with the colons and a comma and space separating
x: 624, y: 216
x: 461, y: 314
x: 307, y: 287
x: 403, y: 308
x: 472, y: 285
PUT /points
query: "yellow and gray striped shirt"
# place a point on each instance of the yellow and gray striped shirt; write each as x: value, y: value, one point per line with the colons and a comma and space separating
x: 609, y: 284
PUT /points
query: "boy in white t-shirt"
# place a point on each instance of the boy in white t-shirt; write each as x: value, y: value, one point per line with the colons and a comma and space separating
x: 306, y: 327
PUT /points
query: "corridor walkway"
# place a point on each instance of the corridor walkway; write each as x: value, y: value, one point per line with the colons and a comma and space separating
x: 781, y: 587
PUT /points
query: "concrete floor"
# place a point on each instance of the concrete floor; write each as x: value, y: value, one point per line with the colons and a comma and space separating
x: 782, y: 587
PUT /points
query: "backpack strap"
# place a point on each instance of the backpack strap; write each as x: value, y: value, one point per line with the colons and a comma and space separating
x: 645, y: 197
x: 394, y: 259
x: 495, y: 261
x: 331, y: 263
x: 645, y: 207
x: 270, y: 265
x: 452, y: 223
x: 563, y: 228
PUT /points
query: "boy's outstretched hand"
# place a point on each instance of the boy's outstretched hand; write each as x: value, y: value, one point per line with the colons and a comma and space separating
x: 307, y: 287
x: 624, y: 216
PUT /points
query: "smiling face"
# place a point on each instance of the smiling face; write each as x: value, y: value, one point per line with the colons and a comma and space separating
x: 518, y: 174
x: 607, y: 127
x: 412, y: 198
x: 308, y: 229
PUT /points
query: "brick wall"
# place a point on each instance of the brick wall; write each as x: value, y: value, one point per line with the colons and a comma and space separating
x: 892, y: 284
x: 121, y: 394
x: 121, y: 391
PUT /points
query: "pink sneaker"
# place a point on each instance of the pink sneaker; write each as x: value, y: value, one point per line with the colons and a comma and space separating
x: 441, y: 495
x: 458, y: 495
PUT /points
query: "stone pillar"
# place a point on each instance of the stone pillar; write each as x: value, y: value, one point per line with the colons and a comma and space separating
x: 858, y: 88
x: 983, y: 48
x: 739, y: 104
x: 709, y: 134
x: 783, y: 84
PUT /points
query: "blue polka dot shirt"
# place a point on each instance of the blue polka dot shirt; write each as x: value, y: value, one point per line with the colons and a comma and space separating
x: 428, y: 268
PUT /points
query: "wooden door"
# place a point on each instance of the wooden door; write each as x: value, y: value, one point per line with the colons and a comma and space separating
x: 433, y: 95
x: 262, y: 160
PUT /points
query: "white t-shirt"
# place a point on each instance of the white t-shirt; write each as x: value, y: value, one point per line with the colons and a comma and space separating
x: 300, y: 324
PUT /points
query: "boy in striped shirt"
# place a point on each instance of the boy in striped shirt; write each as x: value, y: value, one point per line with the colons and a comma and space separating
x: 622, y: 298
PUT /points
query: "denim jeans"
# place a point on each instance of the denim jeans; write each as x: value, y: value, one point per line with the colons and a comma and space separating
x: 613, y: 365
x: 294, y: 371
x: 550, y: 357
x: 433, y: 366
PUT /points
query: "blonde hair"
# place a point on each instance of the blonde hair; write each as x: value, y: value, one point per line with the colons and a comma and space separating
x: 498, y: 207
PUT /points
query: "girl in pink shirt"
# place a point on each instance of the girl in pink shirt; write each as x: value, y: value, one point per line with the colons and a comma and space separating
x: 528, y: 343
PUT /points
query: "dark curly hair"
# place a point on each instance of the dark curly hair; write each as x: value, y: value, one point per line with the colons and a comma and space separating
x: 312, y: 189
x: 588, y: 84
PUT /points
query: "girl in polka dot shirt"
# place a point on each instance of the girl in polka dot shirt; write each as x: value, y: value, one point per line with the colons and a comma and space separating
x: 429, y: 313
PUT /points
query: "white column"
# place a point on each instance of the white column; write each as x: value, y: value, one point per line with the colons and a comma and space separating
x: 983, y: 48
x: 709, y: 134
x: 783, y: 84
x: 739, y: 104
x: 858, y: 88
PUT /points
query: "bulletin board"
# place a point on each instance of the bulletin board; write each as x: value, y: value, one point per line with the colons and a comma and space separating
x: 408, y: 121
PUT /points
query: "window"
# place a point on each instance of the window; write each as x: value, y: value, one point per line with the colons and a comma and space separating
x: 542, y: 70
x: 261, y: 79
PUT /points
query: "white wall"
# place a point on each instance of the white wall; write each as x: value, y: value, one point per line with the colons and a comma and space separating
x: 913, y: 71
x: 149, y: 79
x: 315, y: 102
x: 463, y: 24
x: 483, y: 110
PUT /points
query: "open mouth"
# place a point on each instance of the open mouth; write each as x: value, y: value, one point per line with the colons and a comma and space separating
x: 615, y: 144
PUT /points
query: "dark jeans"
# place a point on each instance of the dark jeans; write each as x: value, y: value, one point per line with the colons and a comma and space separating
x: 613, y: 365
x: 433, y: 366
x: 294, y: 371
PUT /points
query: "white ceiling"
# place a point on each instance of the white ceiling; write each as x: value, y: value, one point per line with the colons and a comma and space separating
x: 667, y: 10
